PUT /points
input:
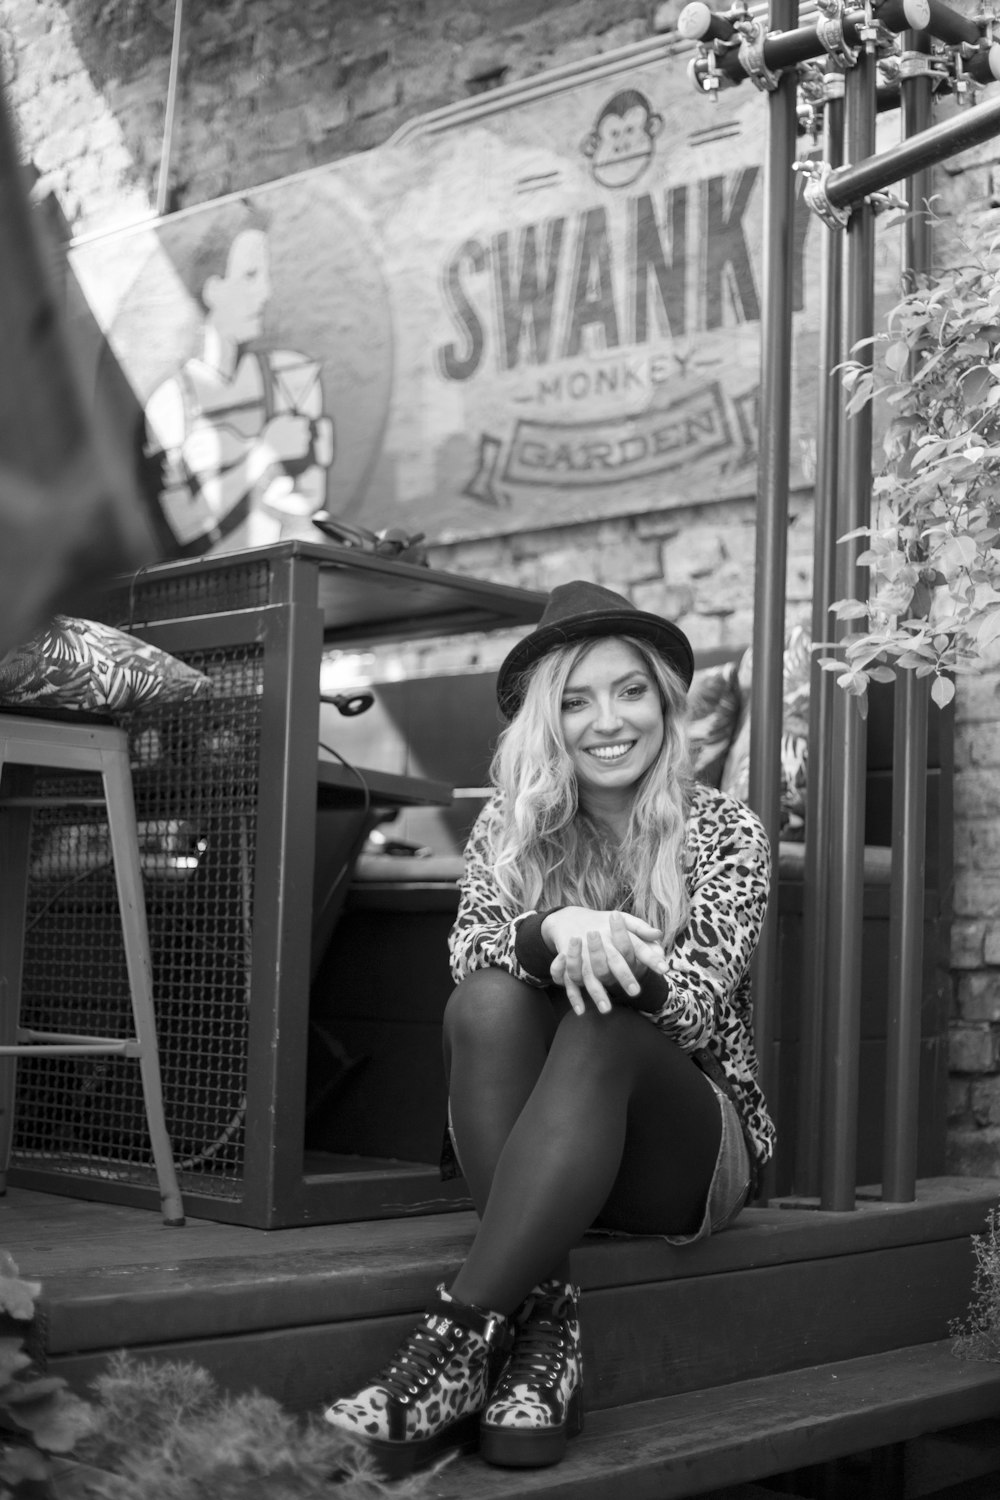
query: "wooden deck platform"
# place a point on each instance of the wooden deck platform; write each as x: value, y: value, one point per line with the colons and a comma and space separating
x: 306, y: 1313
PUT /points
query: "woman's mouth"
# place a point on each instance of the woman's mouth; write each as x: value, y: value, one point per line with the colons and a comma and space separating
x: 608, y: 754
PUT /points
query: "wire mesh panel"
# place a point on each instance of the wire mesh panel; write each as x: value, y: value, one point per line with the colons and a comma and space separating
x: 195, y: 774
x: 200, y: 591
x: 227, y: 791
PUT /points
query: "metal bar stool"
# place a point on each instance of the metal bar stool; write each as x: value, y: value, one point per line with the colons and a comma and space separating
x: 102, y: 748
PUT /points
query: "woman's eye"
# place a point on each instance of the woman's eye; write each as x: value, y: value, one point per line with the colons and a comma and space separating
x: 634, y: 690
x: 569, y: 704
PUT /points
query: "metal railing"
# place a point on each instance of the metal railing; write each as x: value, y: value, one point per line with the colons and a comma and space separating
x: 735, y: 47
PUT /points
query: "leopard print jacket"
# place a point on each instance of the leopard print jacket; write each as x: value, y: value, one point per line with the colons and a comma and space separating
x: 708, y: 1010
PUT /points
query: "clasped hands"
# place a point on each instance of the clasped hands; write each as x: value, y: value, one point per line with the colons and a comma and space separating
x: 596, y: 948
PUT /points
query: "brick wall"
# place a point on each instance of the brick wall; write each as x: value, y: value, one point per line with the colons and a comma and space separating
x: 974, y: 1105
x: 268, y: 87
x: 694, y: 565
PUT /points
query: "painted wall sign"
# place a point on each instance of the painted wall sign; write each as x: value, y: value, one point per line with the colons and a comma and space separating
x: 543, y: 309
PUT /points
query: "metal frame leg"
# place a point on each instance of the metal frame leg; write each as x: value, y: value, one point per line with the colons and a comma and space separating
x: 131, y: 904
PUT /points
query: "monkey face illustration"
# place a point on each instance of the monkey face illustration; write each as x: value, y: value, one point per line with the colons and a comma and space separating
x: 620, y: 146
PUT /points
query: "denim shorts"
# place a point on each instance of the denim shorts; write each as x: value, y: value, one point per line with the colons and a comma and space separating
x: 730, y: 1185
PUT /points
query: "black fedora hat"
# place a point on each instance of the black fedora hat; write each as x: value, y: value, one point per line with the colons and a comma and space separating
x: 581, y: 611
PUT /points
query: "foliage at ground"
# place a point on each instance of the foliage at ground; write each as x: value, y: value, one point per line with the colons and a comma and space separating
x: 979, y: 1336
x: 166, y: 1432
x: 162, y: 1432
x: 39, y: 1417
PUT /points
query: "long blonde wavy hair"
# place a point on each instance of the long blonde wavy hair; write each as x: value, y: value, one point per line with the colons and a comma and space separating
x: 547, y: 851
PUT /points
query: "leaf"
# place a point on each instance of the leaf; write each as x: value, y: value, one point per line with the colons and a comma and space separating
x: 855, y: 683
x: 17, y: 1297
x: 916, y: 656
x: 12, y: 1359
x: 894, y: 599
x: 989, y: 629
x: 22, y: 1466
x: 54, y: 1422
x: 859, y: 399
x: 849, y: 609
x: 897, y: 357
x: 33, y: 1390
x: 882, y: 674
x: 958, y: 552
x: 975, y: 385
x: 942, y: 691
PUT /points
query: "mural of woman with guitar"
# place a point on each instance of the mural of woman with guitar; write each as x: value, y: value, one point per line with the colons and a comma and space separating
x: 245, y: 442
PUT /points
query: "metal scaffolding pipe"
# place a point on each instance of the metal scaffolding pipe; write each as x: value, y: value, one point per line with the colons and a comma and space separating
x: 805, y: 42
x: 816, y: 885
x: 949, y: 26
x: 772, y: 526
x: 906, y: 941
x: 846, y: 906
x: 746, y: 49
x: 697, y: 22
x: 849, y: 185
x: 909, y: 782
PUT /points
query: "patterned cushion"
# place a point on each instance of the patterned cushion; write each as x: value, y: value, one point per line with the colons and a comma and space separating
x: 84, y: 667
x: 796, y: 673
x: 794, y: 737
x: 794, y: 758
x: 713, y: 713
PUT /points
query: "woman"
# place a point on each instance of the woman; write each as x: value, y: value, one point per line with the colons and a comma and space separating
x: 599, y: 1052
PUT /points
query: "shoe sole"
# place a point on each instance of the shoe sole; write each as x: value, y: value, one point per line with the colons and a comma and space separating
x: 531, y: 1447
x: 397, y: 1459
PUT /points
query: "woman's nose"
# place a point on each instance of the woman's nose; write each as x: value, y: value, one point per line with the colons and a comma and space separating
x: 608, y: 716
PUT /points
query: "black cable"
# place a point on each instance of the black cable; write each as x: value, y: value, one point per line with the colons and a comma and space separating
x: 348, y: 864
x: 365, y: 788
x: 132, y: 585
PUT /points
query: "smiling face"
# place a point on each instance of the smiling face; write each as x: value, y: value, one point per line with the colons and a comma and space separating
x: 612, y: 722
x: 621, y: 144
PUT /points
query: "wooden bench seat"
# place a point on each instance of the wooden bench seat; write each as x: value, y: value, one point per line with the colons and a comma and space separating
x: 692, y: 1443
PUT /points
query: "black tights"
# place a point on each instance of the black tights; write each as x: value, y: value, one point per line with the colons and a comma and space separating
x: 564, y: 1121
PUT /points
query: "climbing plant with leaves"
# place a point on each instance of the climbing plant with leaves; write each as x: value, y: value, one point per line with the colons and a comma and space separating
x: 933, y: 604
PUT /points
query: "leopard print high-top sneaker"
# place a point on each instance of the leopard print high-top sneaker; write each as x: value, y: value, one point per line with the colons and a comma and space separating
x: 429, y: 1396
x: 537, y: 1402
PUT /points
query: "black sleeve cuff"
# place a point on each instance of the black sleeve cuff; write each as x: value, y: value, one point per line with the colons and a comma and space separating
x: 530, y: 948
x: 652, y: 993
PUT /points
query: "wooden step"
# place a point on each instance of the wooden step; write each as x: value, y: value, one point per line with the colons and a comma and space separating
x: 693, y: 1443
x: 303, y: 1314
